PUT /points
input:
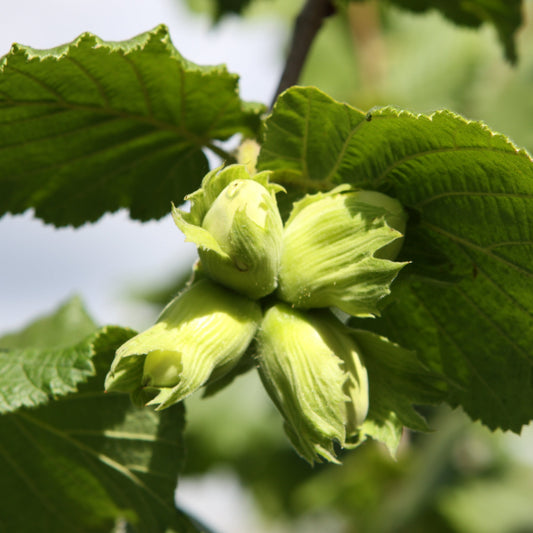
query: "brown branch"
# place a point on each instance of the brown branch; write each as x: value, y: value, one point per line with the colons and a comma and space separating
x: 306, y: 27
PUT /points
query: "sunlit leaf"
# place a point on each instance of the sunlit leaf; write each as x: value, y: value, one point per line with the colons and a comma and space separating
x: 93, y: 126
x: 466, y: 301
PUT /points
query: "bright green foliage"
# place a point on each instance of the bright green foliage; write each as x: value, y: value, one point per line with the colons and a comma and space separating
x: 477, y: 334
x: 47, y: 359
x: 504, y: 15
x: 86, y: 459
x: 470, y: 194
x: 338, y: 237
x: 200, y: 336
x: 335, y: 252
x: 235, y: 222
x: 94, y: 126
x: 312, y: 370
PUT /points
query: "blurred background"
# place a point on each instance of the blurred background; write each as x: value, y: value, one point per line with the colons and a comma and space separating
x: 241, y: 474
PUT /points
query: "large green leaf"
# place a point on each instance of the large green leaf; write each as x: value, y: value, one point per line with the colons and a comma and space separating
x: 504, y: 15
x: 94, y: 126
x: 467, y: 306
x: 55, y: 459
x: 87, y: 459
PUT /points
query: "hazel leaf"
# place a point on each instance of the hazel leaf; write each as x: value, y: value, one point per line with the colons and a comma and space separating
x: 465, y: 302
x: 94, y: 126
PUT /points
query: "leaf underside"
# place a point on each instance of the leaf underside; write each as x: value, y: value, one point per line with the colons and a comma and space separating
x: 95, y: 126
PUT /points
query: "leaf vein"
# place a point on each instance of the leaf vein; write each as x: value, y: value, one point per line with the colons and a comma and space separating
x: 345, y: 145
x: 220, y: 113
x: 48, y: 112
x: 503, y: 244
x: 283, y: 130
x: 105, y: 459
x: 41, y: 83
x: 467, y: 360
x: 430, y: 199
x: 497, y: 286
x: 135, y: 117
x: 29, y: 483
x: 265, y: 150
x: 120, y: 435
x: 494, y: 324
x: 30, y: 380
x: 482, y: 249
x: 378, y: 180
x: 92, y: 78
x: 142, y: 84
x: 83, y: 454
x: 89, y: 154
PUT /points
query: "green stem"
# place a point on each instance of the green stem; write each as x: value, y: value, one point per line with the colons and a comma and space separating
x: 226, y: 156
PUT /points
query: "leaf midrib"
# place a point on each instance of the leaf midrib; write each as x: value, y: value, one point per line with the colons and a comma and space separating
x: 484, y: 250
x: 378, y: 180
x: 439, y: 196
x: 460, y: 349
x: 39, y: 494
x: 103, y: 458
x: 116, y: 113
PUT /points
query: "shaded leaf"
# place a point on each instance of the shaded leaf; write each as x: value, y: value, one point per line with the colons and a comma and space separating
x: 94, y: 126
x: 397, y: 380
x: 89, y: 459
x: 470, y: 194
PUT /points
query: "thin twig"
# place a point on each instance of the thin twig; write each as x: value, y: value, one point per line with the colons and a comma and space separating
x: 227, y: 157
x: 306, y: 27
